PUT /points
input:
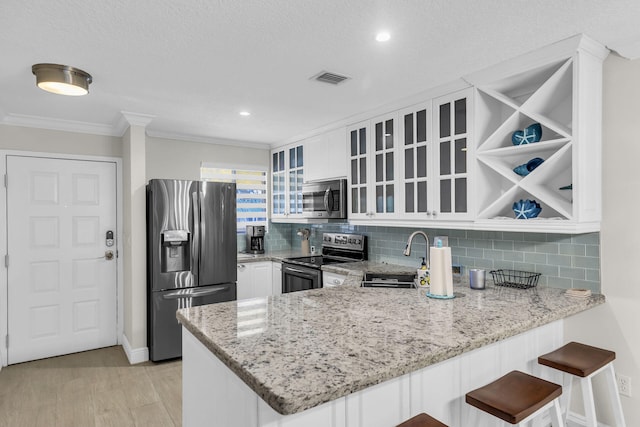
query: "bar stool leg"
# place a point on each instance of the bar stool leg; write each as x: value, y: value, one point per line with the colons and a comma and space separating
x: 616, y: 405
x: 567, y: 396
x: 556, y: 415
x: 589, y: 404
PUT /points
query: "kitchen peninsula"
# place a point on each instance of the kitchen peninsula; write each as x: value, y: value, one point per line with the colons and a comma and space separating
x: 352, y: 356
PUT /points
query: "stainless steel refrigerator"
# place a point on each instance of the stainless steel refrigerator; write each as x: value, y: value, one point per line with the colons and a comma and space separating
x: 191, y: 255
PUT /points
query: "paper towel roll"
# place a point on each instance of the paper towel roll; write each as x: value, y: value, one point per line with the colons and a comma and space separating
x: 440, y: 272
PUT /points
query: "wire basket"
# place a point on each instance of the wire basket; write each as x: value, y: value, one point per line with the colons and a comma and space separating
x: 515, y: 278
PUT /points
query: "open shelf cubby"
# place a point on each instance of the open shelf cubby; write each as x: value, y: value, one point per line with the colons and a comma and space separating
x: 559, y: 87
x: 542, y: 95
x: 505, y: 160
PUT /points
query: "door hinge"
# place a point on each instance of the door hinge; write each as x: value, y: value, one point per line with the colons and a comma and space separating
x: 6, y: 260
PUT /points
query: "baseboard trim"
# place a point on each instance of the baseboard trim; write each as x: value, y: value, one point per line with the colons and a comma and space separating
x: 135, y: 355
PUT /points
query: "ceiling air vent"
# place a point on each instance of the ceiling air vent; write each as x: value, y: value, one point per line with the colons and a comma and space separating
x: 327, y: 77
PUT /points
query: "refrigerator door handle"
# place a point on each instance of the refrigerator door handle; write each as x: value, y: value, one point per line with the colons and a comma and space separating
x: 195, y: 248
x: 194, y: 293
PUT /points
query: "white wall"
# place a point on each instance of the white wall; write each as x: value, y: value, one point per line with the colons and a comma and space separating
x: 616, y: 324
x: 170, y: 159
x: 135, y: 260
x: 53, y: 141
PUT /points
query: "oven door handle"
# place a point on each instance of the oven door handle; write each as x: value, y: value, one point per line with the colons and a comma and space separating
x: 295, y: 270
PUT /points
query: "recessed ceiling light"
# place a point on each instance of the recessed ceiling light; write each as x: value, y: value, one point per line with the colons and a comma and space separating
x: 245, y: 113
x: 383, y: 36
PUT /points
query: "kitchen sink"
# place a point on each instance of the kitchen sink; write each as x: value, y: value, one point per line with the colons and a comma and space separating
x: 388, y: 280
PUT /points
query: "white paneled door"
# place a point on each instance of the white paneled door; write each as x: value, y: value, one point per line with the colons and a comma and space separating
x: 61, y: 277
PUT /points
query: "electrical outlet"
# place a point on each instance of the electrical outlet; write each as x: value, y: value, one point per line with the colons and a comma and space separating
x: 624, y: 385
x: 313, y: 249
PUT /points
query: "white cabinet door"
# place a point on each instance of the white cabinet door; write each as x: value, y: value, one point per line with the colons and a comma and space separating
x: 244, y: 283
x: 61, y: 284
x: 331, y: 280
x: 384, y: 167
x: 276, y: 278
x: 254, y: 280
x: 452, y: 149
x: 358, y: 177
x: 325, y: 156
x: 287, y: 176
x: 261, y: 278
x: 416, y: 162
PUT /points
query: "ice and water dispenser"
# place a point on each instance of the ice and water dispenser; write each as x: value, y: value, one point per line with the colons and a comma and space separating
x: 176, y: 251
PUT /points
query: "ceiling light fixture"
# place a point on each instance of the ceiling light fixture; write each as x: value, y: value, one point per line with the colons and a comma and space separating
x: 62, y: 79
x: 245, y: 113
x: 383, y: 36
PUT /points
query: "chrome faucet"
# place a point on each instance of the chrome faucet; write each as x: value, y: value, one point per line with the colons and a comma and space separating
x: 407, y: 249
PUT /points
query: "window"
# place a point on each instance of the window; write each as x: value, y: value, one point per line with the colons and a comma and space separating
x: 251, y: 191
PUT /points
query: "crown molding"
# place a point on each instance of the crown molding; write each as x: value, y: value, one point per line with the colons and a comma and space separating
x: 207, y: 140
x: 58, y: 124
x: 133, y: 119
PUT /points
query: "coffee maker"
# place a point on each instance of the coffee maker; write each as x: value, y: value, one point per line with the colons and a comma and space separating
x: 255, y: 239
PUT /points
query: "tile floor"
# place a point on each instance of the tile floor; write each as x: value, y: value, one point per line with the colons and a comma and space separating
x: 94, y: 388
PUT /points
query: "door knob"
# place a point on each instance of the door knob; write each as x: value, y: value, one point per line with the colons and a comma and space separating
x: 108, y: 255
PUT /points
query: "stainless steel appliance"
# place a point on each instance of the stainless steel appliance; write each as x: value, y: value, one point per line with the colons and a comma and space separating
x: 191, y: 255
x: 302, y: 273
x: 326, y: 199
x: 255, y: 239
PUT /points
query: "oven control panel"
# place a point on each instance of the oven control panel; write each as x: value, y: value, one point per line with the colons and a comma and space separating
x: 354, y: 242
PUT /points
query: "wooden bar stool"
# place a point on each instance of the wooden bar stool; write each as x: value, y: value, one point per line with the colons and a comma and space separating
x: 422, y: 420
x: 584, y: 362
x: 517, y: 398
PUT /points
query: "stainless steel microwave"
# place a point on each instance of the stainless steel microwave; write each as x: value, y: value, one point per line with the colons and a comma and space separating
x: 325, y: 199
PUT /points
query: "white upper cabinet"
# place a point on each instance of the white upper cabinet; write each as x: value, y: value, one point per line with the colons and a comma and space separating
x: 557, y: 90
x: 411, y: 166
x: 452, y: 149
x: 384, y: 169
x: 287, y: 176
x: 358, y: 178
x: 373, y: 165
x: 416, y: 161
x: 325, y: 156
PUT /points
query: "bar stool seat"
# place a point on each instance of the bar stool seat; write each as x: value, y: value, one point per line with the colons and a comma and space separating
x: 422, y: 420
x: 518, y: 397
x: 584, y: 361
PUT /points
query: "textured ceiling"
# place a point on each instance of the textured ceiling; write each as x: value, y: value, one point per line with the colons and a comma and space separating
x: 194, y: 64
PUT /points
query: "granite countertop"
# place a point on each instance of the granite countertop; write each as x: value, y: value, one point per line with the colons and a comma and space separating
x: 302, y: 349
x: 277, y: 256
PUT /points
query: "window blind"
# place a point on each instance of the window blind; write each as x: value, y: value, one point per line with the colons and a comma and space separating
x: 251, y: 192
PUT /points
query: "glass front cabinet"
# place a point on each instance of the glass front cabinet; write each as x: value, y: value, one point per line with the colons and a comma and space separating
x: 372, y: 148
x: 412, y: 164
x: 287, y: 176
x: 452, y: 137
